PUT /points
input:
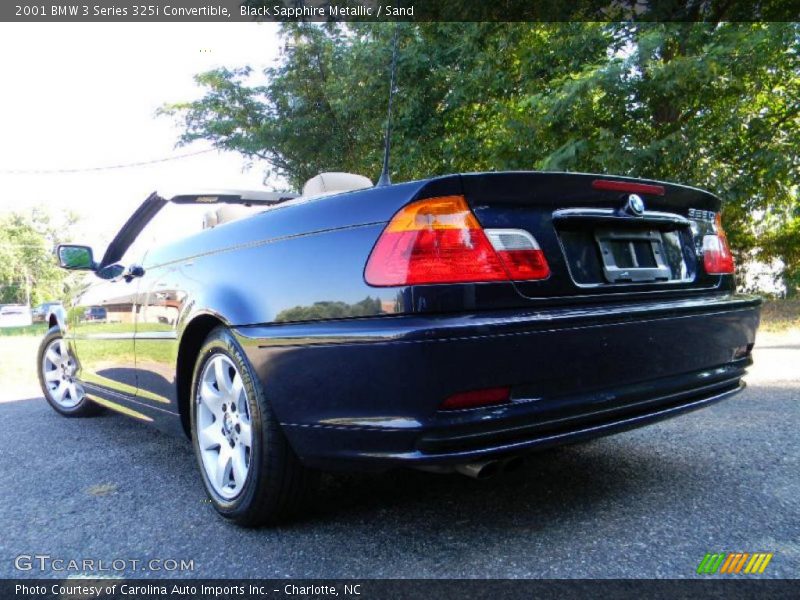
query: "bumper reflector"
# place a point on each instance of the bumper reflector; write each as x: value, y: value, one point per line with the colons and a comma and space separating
x: 476, y: 398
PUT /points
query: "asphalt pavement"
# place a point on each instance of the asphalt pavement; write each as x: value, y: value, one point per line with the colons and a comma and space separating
x: 646, y: 503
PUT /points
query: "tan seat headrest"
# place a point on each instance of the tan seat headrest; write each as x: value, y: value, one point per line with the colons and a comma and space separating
x: 210, y: 219
x: 228, y: 213
x: 332, y: 183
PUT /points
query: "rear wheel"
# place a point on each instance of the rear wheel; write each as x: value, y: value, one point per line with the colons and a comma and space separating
x: 56, y: 367
x: 250, y: 472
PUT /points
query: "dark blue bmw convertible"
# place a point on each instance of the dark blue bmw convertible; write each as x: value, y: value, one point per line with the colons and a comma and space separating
x: 450, y: 324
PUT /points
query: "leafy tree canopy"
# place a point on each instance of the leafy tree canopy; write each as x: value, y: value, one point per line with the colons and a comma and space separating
x: 716, y: 105
x: 27, y: 265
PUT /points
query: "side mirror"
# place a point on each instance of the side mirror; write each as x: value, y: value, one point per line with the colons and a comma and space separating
x: 75, y: 258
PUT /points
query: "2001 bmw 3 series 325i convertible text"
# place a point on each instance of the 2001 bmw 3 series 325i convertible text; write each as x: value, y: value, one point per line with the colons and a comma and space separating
x: 454, y: 323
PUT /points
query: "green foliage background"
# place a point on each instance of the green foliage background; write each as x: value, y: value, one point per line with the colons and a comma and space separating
x: 27, y: 263
x: 715, y: 105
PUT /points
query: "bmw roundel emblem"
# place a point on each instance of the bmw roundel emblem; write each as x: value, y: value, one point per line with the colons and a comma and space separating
x: 635, y: 205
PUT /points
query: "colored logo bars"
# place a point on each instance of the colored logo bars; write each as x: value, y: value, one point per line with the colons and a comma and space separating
x: 734, y: 562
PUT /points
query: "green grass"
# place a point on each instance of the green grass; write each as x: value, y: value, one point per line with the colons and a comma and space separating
x: 35, y: 329
x: 18, y: 366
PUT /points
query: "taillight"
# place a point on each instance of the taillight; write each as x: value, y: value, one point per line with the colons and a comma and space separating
x: 476, y: 398
x: 520, y: 253
x: 439, y: 240
x: 717, y: 257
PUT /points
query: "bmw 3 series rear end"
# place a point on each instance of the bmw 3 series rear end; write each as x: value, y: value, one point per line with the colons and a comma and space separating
x: 532, y: 309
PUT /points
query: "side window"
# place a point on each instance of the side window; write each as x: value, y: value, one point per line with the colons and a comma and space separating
x: 172, y: 223
x: 135, y: 253
x: 177, y: 221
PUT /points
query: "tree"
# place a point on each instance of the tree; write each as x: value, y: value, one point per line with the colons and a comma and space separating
x: 330, y: 310
x: 712, y: 105
x: 27, y: 264
x: 716, y: 105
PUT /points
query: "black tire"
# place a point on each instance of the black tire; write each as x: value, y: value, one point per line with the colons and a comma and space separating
x: 277, y: 485
x: 85, y: 407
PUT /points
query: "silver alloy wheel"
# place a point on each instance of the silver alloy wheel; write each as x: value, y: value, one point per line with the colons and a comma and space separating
x: 58, y: 372
x: 224, y: 431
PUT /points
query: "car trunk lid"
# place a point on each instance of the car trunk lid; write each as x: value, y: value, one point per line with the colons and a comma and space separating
x: 601, y: 235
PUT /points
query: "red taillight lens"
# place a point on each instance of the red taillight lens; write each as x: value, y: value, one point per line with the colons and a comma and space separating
x: 717, y: 257
x: 439, y: 240
x: 476, y: 398
x: 520, y: 253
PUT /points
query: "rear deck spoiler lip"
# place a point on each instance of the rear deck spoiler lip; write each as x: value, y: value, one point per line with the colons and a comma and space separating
x: 569, y: 189
x: 589, y: 177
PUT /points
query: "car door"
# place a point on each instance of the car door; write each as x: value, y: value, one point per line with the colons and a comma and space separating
x: 162, y: 297
x: 161, y: 301
x: 104, y: 347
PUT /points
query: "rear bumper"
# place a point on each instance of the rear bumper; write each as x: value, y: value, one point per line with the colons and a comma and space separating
x: 364, y: 393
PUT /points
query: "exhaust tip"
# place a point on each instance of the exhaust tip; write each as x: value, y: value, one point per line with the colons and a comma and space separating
x: 489, y: 470
x: 480, y: 470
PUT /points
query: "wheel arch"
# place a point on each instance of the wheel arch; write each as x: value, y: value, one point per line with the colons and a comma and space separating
x: 58, y: 318
x: 195, y: 332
